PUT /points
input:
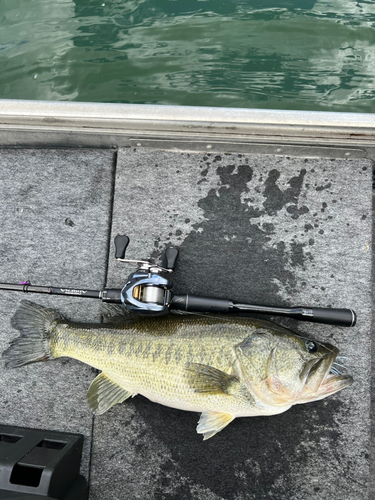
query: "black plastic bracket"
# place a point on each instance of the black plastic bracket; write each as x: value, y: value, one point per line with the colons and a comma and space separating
x: 39, y: 464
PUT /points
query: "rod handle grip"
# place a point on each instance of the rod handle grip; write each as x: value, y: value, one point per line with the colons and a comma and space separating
x: 195, y: 303
x: 329, y: 316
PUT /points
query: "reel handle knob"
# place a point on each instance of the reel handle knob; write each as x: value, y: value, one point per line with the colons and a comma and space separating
x: 171, y: 255
x: 121, y: 243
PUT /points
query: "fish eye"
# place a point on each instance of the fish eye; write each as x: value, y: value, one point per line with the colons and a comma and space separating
x: 311, y: 346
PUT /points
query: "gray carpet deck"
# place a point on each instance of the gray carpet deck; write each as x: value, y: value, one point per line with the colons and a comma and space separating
x: 55, y: 215
x: 253, y: 228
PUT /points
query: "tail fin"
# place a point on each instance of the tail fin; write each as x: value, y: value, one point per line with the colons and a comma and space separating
x: 35, y: 324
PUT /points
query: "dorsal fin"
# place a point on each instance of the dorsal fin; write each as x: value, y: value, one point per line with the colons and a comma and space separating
x: 103, y: 393
x: 116, y: 313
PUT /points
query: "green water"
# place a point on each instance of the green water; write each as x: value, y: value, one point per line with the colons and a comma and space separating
x: 281, y: 54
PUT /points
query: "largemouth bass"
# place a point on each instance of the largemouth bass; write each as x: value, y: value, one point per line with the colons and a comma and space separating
x: 223, y: 367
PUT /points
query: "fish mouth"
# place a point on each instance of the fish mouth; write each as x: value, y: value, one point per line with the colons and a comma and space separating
x: 325, y: 377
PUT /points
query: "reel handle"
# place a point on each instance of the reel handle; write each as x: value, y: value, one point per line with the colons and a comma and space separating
x: 121, y: 244
x: 171, y: 255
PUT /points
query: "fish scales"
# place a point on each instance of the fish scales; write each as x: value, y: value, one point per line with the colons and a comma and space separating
x: 224, y: 367
x: 142, y: 361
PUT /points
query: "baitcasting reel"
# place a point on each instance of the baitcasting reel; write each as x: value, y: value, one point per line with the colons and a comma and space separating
x: 147, y: 292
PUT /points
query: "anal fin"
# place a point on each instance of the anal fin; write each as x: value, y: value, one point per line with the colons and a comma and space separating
x: 211, y: 423
x: 103, y: 393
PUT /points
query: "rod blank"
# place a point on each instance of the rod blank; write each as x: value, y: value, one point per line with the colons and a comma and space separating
x: 28, y: 288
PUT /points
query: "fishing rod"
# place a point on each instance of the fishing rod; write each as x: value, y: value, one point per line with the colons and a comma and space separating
x: 147, y: 292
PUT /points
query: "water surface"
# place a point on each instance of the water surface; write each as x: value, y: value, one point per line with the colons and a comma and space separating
x: 281, y: 54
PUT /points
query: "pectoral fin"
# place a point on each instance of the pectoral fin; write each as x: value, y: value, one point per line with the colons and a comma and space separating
x: 211, y: 423
x: 103, y: 394
x: 209, y: 380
